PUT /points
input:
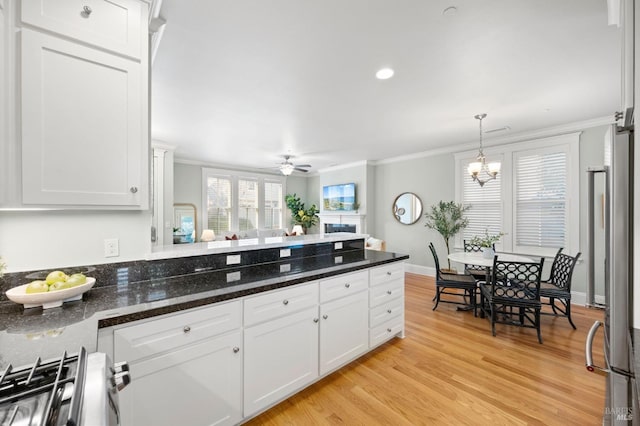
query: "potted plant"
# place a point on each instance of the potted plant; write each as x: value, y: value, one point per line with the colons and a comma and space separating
x: 301, y: 215
x: 487, y: 241
x: 448, y: 219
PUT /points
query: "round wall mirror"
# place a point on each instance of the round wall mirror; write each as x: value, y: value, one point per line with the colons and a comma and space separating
x: 407, y: 208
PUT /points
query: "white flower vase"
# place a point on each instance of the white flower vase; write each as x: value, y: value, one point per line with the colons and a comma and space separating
x: 488, y: 252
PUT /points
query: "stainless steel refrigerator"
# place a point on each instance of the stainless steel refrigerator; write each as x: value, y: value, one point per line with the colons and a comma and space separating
x: 621, y: 402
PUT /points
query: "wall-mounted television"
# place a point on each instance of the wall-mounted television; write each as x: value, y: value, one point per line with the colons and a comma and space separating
x: 339, y: 197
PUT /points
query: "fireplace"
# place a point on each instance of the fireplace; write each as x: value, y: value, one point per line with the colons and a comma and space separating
x: 332, y: 222
x: 338, y: 227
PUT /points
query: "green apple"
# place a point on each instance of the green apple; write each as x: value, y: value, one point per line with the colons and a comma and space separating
x: 56, y: 276
x: 59, y: 285
x: 75, y: 280
x: 37, y: 287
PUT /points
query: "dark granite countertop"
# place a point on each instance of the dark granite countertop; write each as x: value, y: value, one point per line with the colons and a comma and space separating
x: 25, y: 334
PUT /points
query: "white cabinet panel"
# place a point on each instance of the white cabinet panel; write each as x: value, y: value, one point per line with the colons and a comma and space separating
x: 280, y: 302
x: 82, y: 125
x: 386, y: 331
x: 343, y: 285
x: 385, y: 292
x: 281, y: 357
x: 344, y: 324
x: 111, y: 24
x: 197, y: 385
x: 386, y: 273
x: 150, y: 338
x: 386, y: 311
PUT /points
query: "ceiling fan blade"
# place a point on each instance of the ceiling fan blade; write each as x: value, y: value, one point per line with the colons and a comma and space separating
x: 303, y: 165
x: 301, y: 170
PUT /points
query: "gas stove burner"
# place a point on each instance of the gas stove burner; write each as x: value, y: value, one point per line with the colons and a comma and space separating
x: 79, y: 389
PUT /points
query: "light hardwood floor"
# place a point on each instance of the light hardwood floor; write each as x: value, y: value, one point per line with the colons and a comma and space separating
x: 450, y: 370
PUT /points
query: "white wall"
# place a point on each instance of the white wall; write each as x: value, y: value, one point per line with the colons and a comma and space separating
x: 32, y: 240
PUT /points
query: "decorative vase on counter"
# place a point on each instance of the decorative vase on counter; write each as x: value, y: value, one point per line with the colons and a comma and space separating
x: 488, y: 252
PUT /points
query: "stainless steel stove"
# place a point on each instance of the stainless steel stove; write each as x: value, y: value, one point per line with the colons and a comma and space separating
x: 78, y: 389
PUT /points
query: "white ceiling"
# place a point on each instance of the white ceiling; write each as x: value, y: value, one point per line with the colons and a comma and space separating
x: 242, y: 82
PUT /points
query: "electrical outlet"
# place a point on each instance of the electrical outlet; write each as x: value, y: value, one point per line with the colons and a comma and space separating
x: 111, y: 247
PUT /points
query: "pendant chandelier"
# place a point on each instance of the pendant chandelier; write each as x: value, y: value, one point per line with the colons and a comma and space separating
x: 481, y: 171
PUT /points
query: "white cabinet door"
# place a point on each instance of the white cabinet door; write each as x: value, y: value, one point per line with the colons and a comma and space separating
x: 4, y: 143
x: 196, y: 385
x: 281, y: 357
x: 344, y: 330
x: 82, y: 126
x: 111, y: 24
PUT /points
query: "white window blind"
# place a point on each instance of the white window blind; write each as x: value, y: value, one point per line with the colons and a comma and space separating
x: 486, y: 204
x: 247, y: 204
x: 541, y: 199
x: 273, y: 205
x: 218, y: 203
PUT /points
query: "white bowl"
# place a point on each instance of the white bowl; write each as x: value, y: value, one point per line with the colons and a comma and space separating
x: 50, y: 299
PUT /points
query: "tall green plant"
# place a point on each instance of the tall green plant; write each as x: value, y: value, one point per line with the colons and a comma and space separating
x: 448, y: 219
x: 299, y: 214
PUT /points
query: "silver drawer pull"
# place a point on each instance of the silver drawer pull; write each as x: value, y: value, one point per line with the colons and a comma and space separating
x: 389, y: 330
x: 86, y: 11
x: 186, y: 329
x: 325, y: 316
x: 285, y: 302
x: 388, y: 311
x: 388, y: 273
x: 316, y: 319
x: 236, y: 350
x: 388, y: 291
x: 347, y: 285
x: 133, y: 189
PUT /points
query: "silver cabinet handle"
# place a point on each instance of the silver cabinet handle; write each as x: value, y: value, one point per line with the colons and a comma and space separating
x: 236, y: 350
x: 389, y: 330
x: 388, y: 273
x: 388, y: 291
x: 186, y: 329
x: 325, y: 316
x: 133, y: 189
x: 347, y: 285
x: 316, y: 319
x: 86, y: 11
x: 388, y: 311
x: 285, y: 302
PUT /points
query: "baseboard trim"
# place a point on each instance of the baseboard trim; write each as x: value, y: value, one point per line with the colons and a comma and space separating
x: 577, y: 297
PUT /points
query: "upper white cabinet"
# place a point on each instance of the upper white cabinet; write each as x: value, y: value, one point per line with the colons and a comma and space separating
x: 81, y: 137
x: 115, y: 25
x: 78, y: 122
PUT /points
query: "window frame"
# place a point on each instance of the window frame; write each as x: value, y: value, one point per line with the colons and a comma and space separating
x: 569, y: 143
x: 235, y: 176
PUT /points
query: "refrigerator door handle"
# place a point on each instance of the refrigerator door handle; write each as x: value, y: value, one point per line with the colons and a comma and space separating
x: 588, y: 350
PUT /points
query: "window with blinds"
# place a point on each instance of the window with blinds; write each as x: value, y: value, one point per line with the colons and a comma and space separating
x: 239, y: 202
x: 540, y: 199
x: 273, y: 205
x: 534, y: 201
x: 485, y: 213
x: 218, y: 204
x: 247, y: 204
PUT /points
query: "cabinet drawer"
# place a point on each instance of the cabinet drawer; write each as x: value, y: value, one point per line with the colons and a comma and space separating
x: 156, y: 336
x: 386, y: 311
x: 280, y: 302
x: 383, y: 274
x: 343, y: 285
x: 385, y: 292
x: 115, y: 25
x: 385, y: 331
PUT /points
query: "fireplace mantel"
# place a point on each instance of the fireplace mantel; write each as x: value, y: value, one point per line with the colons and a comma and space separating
x: 343, y: 219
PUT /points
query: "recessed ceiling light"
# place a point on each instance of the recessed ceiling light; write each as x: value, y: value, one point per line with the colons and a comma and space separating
x: 384, y: 74
x: 450, y: 11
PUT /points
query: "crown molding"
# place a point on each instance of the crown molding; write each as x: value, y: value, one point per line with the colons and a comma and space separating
x: 345, y: 166
x: 507, y: 139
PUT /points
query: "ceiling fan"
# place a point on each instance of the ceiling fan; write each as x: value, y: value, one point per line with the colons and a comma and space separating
x: 287, y: 167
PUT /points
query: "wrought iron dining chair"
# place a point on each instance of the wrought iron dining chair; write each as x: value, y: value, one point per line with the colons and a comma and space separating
x: 557, y: 288
x: 478, y: 272
x: 445, y: 283
x: 513, y: 295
